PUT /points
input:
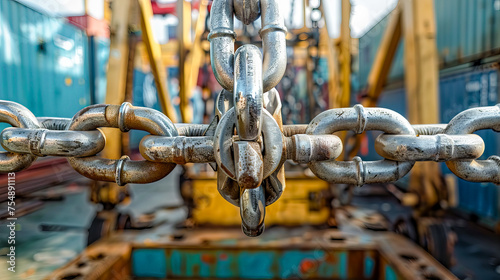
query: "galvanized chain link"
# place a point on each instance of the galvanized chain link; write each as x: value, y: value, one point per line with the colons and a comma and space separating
x: 313, y: 143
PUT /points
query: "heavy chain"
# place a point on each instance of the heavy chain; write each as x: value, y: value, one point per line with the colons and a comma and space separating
x: 402, y: 144
x: 249, y: 163
x: 250, y: 171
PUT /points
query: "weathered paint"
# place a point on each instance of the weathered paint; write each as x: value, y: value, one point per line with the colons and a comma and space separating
x: 293, y: 209
x: 248, y: 263
x: 149, y: 263
x: 280, y: 253
x: 369, y: 267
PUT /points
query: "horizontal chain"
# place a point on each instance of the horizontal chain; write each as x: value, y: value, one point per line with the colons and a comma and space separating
x: 313, y: 144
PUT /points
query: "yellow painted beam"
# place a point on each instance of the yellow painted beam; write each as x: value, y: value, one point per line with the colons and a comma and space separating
x: 196, y: 55
x: 422, y: 81
x: 155, y: 59
x: 345, y: 54
x: 421, y: 61
x: 184, y: 37
x: 332, y: 58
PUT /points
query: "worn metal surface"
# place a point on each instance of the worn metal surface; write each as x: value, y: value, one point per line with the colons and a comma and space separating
x: 439, y: 147
x: 272, y: 139
x: 468, y: 122
x: 248, y: 93
x: 179, y: 150
x: 243, y: 167
x: 44, y: 142
x: 303, y: 148
x: 257, y: 153
x: 464, y: 89
x: 252, y: 210
x: 273, y: 33
x: 125, y: 117
x: 247, y: 11
x: 248, y: 164
x: 221, y: 39
x: 18, y: 116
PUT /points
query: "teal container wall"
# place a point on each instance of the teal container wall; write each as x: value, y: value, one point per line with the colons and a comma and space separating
x: 101, y: 71
x: 467, y: 30
x: 43, y: 62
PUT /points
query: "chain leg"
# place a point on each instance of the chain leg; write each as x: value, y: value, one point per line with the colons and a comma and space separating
x: 252, y: 210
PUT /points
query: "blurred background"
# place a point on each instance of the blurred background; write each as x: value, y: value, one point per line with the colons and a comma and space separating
x: 59, y: 56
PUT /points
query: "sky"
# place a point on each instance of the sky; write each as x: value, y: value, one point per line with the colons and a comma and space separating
x: 364, y: 13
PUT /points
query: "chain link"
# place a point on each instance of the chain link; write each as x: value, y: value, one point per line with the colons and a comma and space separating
x: 359, y: 119
x: 124, y: 117
x: 17, y: 116
x: 222, y: 35
x: 468, y: 122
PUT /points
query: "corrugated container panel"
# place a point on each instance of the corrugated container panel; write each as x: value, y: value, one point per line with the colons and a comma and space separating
x: 466, y: 30
x: 42, y: 62
x: 458, y: 92
x: 496, y: 23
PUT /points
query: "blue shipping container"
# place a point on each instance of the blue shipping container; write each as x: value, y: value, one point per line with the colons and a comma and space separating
x: 43, y: 62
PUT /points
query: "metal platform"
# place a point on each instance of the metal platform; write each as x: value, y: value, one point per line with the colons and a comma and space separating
x: 281, y: 253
